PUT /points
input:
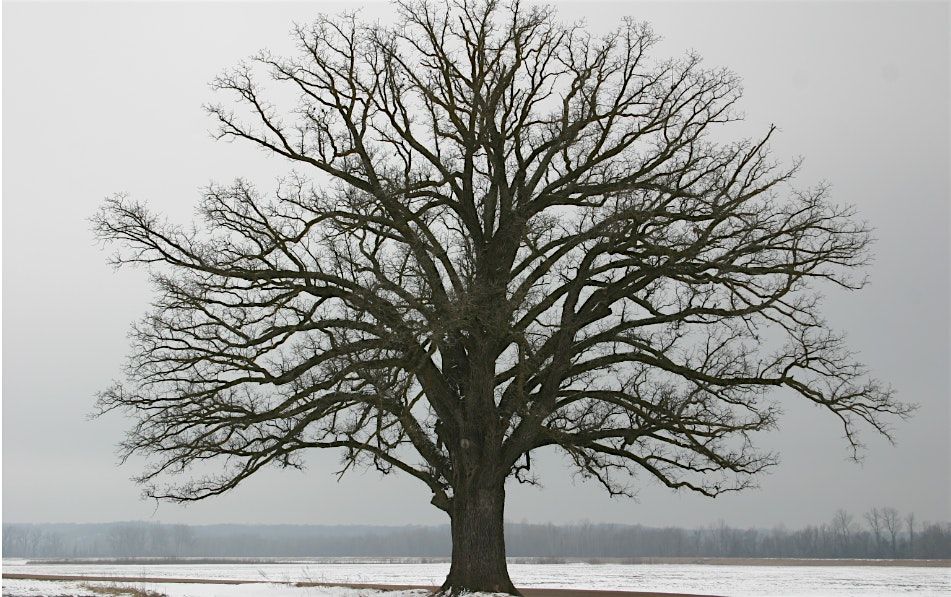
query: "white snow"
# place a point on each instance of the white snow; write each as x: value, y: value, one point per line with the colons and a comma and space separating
x: 35, y: 588
x: 740, y: 581
x: 46, y: 588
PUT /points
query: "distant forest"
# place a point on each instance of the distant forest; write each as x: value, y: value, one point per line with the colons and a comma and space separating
x: 880, y: 533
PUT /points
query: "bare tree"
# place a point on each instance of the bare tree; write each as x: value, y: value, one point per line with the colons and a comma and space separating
x: 128, y: 539
x: 876, y: 524
x: 521, y: 236
x: 910, y: 525
x: 842, y: 526
x: 891, y: 521
x: 183, y: 538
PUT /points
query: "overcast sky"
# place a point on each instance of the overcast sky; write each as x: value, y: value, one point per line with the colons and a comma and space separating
x: 101, y: 98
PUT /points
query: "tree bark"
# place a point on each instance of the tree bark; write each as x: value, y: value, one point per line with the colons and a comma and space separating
x: 478, y: 541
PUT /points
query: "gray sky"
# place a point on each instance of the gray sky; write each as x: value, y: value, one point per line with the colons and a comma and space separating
x: 101, y: 98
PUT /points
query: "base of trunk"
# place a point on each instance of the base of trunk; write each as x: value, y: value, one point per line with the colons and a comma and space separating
x: 492, y: 582
x: 454, y: 590
x: 478, y: 544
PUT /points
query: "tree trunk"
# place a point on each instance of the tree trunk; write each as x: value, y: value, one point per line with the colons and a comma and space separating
x: 478, y: 542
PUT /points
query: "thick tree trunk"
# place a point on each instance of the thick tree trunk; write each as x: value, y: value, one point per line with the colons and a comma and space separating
x: 478, y: 542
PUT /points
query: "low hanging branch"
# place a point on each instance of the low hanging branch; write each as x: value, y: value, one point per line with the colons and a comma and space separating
x: 524, y: 236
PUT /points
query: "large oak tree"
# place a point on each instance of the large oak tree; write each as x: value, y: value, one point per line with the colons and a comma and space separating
x: 503, y: 234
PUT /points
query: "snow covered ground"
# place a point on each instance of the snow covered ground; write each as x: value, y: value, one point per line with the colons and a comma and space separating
x: 741, y: 581
x: 38, y: 588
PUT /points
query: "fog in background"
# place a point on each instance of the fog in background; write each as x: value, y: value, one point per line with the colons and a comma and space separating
x: 102, y: 98
x: 884, y: 533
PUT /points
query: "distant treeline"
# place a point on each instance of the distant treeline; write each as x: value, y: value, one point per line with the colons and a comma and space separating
x: 880, y: 533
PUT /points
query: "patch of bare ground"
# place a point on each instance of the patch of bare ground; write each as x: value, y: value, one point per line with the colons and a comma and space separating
x: 121, y: 590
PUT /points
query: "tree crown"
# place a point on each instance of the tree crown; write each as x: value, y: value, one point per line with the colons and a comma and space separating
x: 520, y: 235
